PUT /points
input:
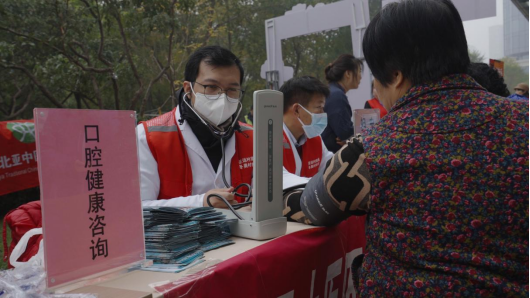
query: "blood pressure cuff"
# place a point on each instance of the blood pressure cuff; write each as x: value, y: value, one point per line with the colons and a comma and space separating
x: 291, y: 207
x: 341, y: 190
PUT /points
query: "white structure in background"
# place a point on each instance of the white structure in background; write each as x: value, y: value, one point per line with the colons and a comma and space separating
x: 515, y: 35
x: 303, y: 20
x: 470, y: 9
x: 496, y: 35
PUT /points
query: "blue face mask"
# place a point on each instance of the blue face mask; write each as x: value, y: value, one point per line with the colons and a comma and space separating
x: 317, y: 126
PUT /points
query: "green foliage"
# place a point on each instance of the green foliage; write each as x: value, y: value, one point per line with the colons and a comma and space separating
x: 476, y: 56
x: 513, y: 73
x: 131, y: 54
x: 374, y: 7
x: 307, y: 59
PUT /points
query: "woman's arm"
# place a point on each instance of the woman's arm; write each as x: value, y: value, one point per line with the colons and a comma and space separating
x: 338, y: 191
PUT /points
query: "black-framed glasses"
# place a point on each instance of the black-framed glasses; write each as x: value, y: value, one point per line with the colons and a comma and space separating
x: 214, y: 90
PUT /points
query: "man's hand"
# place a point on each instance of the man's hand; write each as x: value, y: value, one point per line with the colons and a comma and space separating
x: 216, y: 202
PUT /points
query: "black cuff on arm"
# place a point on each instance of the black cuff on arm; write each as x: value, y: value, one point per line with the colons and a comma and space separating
x: 291, y: 207
x: 341, y: 190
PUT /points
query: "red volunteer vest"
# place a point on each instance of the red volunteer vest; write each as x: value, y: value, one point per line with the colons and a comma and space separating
x: 169, y: 150
x: 375, y: 104
x: 311, y: 156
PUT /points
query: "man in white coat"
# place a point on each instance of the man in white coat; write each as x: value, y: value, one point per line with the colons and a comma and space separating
x: 199, y: 148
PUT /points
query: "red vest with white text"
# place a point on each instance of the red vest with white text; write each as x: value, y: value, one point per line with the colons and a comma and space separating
x: 311, y: 156
x: 169, y: 150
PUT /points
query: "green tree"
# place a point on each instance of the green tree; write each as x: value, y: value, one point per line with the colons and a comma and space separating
x: 91, y: 53
x: 309, y: 54
x: 374, y: 7
x: 513, y: 73
x: 476, y: 56
x: 131, y: 54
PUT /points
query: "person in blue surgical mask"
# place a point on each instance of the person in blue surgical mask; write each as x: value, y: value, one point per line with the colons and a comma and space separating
x: 304, y: 120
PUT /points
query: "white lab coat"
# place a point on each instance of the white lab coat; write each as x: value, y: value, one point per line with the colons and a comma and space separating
x: 326, y: 155
x: 204, y: 176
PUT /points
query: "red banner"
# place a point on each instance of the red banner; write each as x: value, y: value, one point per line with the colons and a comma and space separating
x: 18, y: 156
x: 309, y: 263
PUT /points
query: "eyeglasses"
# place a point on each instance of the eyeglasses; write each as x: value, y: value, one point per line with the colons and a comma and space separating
x: 213, y: 90
x: 517, y: 89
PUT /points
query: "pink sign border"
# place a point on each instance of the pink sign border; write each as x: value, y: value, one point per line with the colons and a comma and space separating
x: 84, y: 274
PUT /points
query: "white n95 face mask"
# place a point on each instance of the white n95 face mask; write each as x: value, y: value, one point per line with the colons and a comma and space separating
x: 317, y: 126
x: 215, y: 110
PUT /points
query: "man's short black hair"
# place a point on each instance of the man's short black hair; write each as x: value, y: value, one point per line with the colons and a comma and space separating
x: 301, y: 90
x: 211, y: 55
x: 489, y: 78
x: 424, y: 39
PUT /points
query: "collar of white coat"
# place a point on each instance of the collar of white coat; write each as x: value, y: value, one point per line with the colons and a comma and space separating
x: 184, y: 124
x: 293, y: 141
x: 191, y: 141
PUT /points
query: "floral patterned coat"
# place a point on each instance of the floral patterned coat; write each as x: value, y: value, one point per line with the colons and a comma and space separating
x: 449, y: 199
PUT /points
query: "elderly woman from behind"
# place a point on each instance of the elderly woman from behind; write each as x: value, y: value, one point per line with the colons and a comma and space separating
x: 444, y: 176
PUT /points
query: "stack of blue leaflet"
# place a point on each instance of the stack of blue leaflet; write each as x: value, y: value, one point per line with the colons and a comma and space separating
x: 215, y: 233
x: 154, y: 216
x: 177, y: 237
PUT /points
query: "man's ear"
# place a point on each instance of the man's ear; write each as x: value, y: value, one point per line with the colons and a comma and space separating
x: 294, y: 109
x: 187, y: 86
x: 189, y: 94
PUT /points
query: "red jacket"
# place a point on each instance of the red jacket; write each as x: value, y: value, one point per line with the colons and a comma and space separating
x: 311, y: 156
x: 169, y: 150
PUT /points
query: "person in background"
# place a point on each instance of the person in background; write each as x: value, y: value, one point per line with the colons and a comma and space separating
x: 304, y: 153
x: 489, y: 78
x: 343, y: 74
x: 521, y: 92
x: 447, y: 182
x: 374, y: 103
x: 249, y: 118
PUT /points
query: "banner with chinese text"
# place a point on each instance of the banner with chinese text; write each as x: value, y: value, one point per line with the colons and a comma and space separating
x: 18, y: 157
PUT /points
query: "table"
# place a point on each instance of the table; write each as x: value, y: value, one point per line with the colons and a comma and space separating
x: 307, y: 261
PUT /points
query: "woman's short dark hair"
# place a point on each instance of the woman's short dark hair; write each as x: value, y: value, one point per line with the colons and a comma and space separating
x: 211, y: 55
x: 489, y: 78
x: 301, y: 90
x: 424, y: 39
x: 336, y: 69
